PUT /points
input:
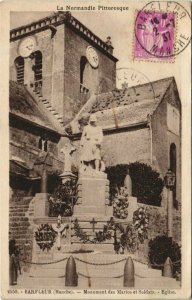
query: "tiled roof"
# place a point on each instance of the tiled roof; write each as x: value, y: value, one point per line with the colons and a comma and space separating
x: 150, y: 91
x: 128, y: 106
x: 24, y: 106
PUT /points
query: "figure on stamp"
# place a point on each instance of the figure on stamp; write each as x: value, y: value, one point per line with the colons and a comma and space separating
x: 90, y: 144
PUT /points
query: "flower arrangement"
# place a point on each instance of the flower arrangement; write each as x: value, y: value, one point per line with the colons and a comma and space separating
x: 141, y: 223
x: 125, y: 238
x: 45, y: 236
x: 120, y: 204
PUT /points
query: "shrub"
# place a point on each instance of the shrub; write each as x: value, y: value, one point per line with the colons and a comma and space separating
x: 146, y: 182
x: 162, y: 247
x: 62, y: 200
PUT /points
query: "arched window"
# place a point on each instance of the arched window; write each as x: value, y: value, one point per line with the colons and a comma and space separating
x: 173, y: 168
x: 43, y: 144
x: 83, y: 76
x: 37, y: 68
x: 19, y: 64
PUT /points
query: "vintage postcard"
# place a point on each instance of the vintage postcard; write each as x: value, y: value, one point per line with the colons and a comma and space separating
x: 95, y: 149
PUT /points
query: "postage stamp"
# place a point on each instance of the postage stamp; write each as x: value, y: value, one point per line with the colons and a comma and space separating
x: 155, y: 33
x: 162, y: 31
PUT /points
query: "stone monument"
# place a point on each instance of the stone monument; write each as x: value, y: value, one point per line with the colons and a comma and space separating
x: 93, y: 185
x: 92, y: 207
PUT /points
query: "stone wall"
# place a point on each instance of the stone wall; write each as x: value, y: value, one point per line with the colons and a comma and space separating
x: 123, y: 147
x: 101, y: 79
x: 158, y: 227
x: 21, y: 214
x: 162, y: 137
x: 177, y: 226
x: 61, y: 56
x: 52, y: 50
x: 159, y: 138
x: 157, y: 220
x: 24, y: 144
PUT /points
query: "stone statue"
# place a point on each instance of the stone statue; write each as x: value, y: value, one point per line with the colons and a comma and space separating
x: 90, y: 144
x: 67, y: 150
x: 61, y: 231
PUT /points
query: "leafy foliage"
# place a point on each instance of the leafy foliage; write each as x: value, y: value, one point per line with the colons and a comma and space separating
x: 162, y: 247
x: 62, y: 200
x: 141, y: 223
x: 45, y: 236
x: 146, y: 182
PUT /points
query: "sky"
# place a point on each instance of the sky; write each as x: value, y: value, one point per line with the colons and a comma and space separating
x: 120, y: 26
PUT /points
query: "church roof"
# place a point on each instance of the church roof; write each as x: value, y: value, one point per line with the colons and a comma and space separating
x: 24, y: 106
x: 126, y: 107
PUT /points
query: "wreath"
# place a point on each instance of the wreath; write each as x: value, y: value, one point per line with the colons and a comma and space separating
x: 120, y: 204
x: 141, y: 223
x: 100, y: 236
x: 125, y: 238
x: 45, y: 236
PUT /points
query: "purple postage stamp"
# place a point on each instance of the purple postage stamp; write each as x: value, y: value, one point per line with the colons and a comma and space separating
x: 155, y: 34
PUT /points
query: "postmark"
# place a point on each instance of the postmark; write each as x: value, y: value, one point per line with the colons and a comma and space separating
x: 131, y: 77
x: 162, y: 31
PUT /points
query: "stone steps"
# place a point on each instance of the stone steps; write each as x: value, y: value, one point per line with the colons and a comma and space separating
x: 47, y: 105
x: 97, y: 282
x: 93, y: 275
x: 19, y: 223
x: 13, y: 214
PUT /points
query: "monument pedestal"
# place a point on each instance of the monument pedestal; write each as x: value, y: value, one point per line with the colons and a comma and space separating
x: 93, y: 195
x: 92, y: 211
x: 41, y: 205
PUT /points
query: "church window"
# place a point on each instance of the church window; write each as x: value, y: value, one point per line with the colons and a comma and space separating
x: 84, y: 76
x: 37, y: 68
x: 173, y: 168
x: 19, y: 64
x: 43, y: 144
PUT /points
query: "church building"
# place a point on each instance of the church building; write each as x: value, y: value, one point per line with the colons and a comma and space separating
x: 60, y: 73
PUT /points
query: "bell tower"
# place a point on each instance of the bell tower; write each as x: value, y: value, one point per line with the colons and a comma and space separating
x: 62, y: 60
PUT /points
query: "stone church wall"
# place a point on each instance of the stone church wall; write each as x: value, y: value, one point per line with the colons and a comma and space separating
x: 123, y: 147
x: 157, y: 220
x: 158, y: 226
x: 52, y: 50
x: 126, y: 147
x: 102, y: 79
x: 31, y: 137
x: 24, y: 145
x: 159, y: 138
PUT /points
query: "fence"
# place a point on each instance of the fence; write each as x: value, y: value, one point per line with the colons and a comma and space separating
x: 71, y: 273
